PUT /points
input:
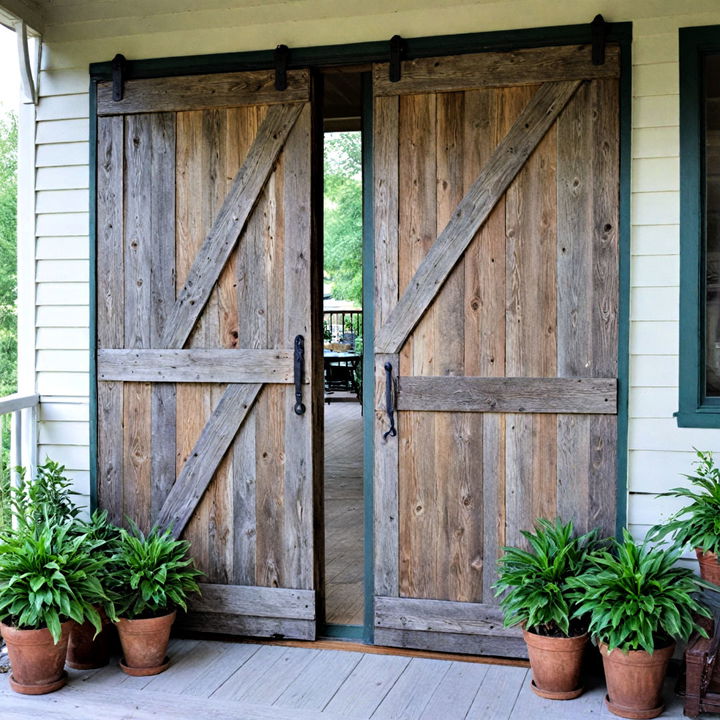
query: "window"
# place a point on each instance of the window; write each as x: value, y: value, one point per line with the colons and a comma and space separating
x: 699, y: 227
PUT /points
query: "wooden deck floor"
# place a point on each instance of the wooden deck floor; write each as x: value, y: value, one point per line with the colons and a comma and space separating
x: 343, y: 513
x: 235, y: 681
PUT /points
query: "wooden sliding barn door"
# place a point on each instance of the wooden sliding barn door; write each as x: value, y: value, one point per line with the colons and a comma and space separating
x: 496, y: 254
x: 204, y: 265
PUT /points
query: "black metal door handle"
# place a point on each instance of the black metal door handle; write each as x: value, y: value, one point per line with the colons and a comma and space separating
x: 389, y: 401
x: 298, y: 366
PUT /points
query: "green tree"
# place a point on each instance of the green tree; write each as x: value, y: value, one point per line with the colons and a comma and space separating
x: 343, y: 215
x: 8, y: 289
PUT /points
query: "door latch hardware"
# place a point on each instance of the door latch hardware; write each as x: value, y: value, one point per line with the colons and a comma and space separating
x: 298, y: 366
x: 119, y: 67
x: 389, y: 401
x: 397, y: 50
x: 599, y: 31
x: 281, y: 62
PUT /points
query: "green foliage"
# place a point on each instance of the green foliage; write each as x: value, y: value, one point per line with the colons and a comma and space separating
x: 343, y: 215
x: 151, y: 575
x: 46, y: 498
x: 637, y: 598
x: 48, y: 575
x: 8, y: 295
x: 696, y: 524
x: 537, y: 581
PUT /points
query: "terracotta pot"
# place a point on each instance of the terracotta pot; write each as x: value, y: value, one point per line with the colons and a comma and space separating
x: 635, y: 681
x: 709, y: 566
x: 556, y: 663
x: 144, y: 644
x: 85, y: 651
x: 37, y: 662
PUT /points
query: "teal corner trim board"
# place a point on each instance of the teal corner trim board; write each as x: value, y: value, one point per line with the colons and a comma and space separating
x: 694, y: 409
x: 378, y: 51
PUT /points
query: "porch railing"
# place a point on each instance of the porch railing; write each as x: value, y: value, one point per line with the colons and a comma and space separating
x: 342, y: 325
x: 20, y: 412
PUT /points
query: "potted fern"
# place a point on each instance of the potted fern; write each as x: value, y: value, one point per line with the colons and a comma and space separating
x: 151, y: 577
x: 537, y: 596
x: 48, y: 578
x: 697, y: 525
x: 639, y: 603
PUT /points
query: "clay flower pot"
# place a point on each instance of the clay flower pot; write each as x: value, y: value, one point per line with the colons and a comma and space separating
x: 556, y: 663
x: 635, y: 681
x: 38, y: 664
x: 709, y: 566
x: 144, y: 644
x: 85, y: 650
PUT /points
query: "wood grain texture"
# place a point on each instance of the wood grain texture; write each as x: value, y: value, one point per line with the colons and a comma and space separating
x: 480, y: 644
x: 509, y: 394
x: 255, y: 601
x: 199, y: 92
x: 110, y: 315
x: 385, y: 471
x: 507, y: 160
x: 196, y: 365
x: 496, y: 69
x: 229, y: 223
x: 209, y: 450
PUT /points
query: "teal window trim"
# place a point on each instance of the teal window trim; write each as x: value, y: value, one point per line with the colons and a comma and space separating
x: 694, y: 409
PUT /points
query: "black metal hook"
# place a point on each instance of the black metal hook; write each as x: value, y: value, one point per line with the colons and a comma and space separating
x: 599, y: 31
x: 119, y: 68
x: 397, y: 51
x: 389, y: 401
x: 281, y: 55
x: 298, y: 367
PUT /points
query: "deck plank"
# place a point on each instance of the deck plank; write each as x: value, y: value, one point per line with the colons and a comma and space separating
x: 413, y: 690
x: 367, y: 686
x: 316, y: 684
x: 498, y: 693
x: 456, y: 692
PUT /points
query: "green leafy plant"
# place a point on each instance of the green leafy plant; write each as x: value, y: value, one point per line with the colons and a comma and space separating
x: 637, y: 597
x: 48, y: 575
x: 46, y: 498
x: 698, y: 523
x: 151, y: 574
x: 537, y: 580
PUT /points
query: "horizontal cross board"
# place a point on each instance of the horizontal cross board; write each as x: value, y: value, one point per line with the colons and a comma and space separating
x: 508, y: 395
x: 196, y: 365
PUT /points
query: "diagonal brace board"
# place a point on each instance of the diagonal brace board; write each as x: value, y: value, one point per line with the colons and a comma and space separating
x: 209, y: 450
x: 229, y: 223
x: 472, y: 211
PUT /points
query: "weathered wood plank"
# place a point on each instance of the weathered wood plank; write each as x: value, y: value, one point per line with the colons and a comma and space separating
x: 498, y: 693
x: 244, y: 511
x: 111, y: 454
x: 271, y: 602
x: 519, y: 474
x: 196, y: 365
x: 510, y: 394
x: 493, y: 500
x: 473, y: 210
x: 441, y: 616
x: 209, y: 450
x: 455, y: 693
x: 198, y: 92
x: 297, y: 288
x: 250, y: 625
x: 229, y: 223
x: 385, y: 192
x: 488, y: 645
x: 496, y: 69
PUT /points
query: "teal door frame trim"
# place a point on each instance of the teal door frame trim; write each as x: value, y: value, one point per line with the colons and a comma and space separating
x: 378, y: 51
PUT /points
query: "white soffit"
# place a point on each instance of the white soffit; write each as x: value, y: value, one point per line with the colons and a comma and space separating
x: 26, y: 10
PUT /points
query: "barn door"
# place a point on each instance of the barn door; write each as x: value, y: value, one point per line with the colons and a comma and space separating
x: 496, y: 231
x: 204, y: 263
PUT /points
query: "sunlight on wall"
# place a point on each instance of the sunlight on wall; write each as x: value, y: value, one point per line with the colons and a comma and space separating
x: 9, y: 73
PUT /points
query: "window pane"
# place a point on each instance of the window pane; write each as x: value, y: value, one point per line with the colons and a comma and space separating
x: 711, y: 75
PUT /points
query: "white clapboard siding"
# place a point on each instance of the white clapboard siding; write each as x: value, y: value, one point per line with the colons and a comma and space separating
x: 653, y: 338
x: 655, y: 240
x: 63, y: 293
x: 62, y: 316
x: 67, y: 383
x: 61, y: 154
x: 82, y: 31
x: 65, y: 177
x: 67, y: 338
x: 70, y: 271
x: 62, y: 248
x: 63, y: 360
x: 62, y: 201
x: 64, y: 433
x: 73, y: 457
x: 58, y: 131
x: 58, y: 410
